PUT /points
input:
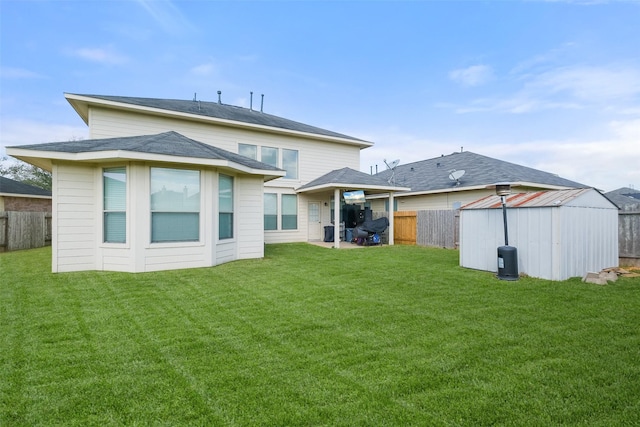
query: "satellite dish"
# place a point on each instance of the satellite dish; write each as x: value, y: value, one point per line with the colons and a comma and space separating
x: 455, y: 175
x: 393, y: 164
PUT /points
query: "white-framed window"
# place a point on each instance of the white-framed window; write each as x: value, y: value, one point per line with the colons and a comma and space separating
x: 175, y: 205
x: 290, y: 163
x: 225, y: 207
x: 248, y: 150
x: 289, y: 212
x: 114, y: 190
x: 269, y: 155
x: 270, y: 211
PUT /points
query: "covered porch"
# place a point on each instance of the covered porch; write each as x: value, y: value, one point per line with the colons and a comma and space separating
x: 327, y: 194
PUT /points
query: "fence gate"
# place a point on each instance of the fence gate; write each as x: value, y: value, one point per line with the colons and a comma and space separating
x: 404, y: 228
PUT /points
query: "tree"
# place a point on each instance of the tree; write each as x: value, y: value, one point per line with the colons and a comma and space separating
x: 26, y: 173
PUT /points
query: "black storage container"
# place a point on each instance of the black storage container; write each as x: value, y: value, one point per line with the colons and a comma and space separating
x: 328, y: 233
x: 507, y: 263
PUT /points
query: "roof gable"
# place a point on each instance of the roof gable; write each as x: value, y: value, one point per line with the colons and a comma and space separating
x: 213, y: 110
x: 433, y: 174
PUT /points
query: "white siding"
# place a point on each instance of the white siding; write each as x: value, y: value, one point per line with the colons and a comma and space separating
x: 74, y: 218
x: 174, y: 257
x: 77, y: 224
x: 316, y: 158
x: 226, y: 251
x: 480, y: 235
x: 435, y: 201
x: 586, y: 243
x: 250, y: 219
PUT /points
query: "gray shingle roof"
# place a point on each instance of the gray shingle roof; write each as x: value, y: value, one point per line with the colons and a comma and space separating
x: 433, y: 174
x: 627, y: 199
x: 10, y: 186
x: 167, y: 143
x: 223, y: 111
x: 350, y: 178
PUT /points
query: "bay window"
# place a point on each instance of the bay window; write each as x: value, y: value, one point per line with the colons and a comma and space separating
x: 114, y: 185
x: 175, y: 205
x: 225, y: 207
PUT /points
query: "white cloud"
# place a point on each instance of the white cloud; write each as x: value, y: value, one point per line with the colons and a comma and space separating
x: 474, y: 75
x: 18, y: 73
x: 167, y: 16
x: 203, y: 69
x: 613, y: 87
x: 607, y: 163
x: 23, y: 131
x: 103, y: 55
x: 588, y: 83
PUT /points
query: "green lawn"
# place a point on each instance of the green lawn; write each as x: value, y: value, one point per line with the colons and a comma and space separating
x: 390, y: 335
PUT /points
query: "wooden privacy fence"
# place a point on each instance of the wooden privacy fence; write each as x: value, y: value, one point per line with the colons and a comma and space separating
x: 404, y: 224
x: 24, y: 230
x: 439, y: 228
x: 629, y: 237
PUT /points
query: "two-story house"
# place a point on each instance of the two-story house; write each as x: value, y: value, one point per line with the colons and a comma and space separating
x: 164, y: 184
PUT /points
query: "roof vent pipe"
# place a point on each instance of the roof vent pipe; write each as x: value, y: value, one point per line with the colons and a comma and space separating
x: 261, y: 102
x: 219, y: 97
x: 251, y: 102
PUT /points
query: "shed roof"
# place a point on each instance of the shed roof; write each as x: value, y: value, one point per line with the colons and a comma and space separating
x: 12, y: 187
x: 432, y: 175
x: 536, y: 199
x: 222, y: 113
x: 168, y: 146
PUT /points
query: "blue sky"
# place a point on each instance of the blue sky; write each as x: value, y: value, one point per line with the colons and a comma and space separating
x: 553, y: 85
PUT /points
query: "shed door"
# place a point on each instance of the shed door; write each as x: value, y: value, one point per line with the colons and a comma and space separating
x: 315, y: 221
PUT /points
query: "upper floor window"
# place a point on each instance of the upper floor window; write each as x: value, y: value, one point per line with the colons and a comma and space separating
x: 225, y: 207
x: 269, y: 155
x: 175, y: 205
x: 114, y: 184
x: 290, y: 163
x: 248, y: 150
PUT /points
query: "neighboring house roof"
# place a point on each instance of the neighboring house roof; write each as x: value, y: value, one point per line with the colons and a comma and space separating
x: 164, y: 147
x: 10, y: 187
x: 224, y: 114
x: 626, y: 198
x: 537, y: 199
x: 432, y: 175
x: 350, y: 179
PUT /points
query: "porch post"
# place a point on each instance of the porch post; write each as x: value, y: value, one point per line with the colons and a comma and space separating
x: 391, y: 218
x: 336, y: 218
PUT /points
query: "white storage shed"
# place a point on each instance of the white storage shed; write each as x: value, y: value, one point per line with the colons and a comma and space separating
x: 558, y: 234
